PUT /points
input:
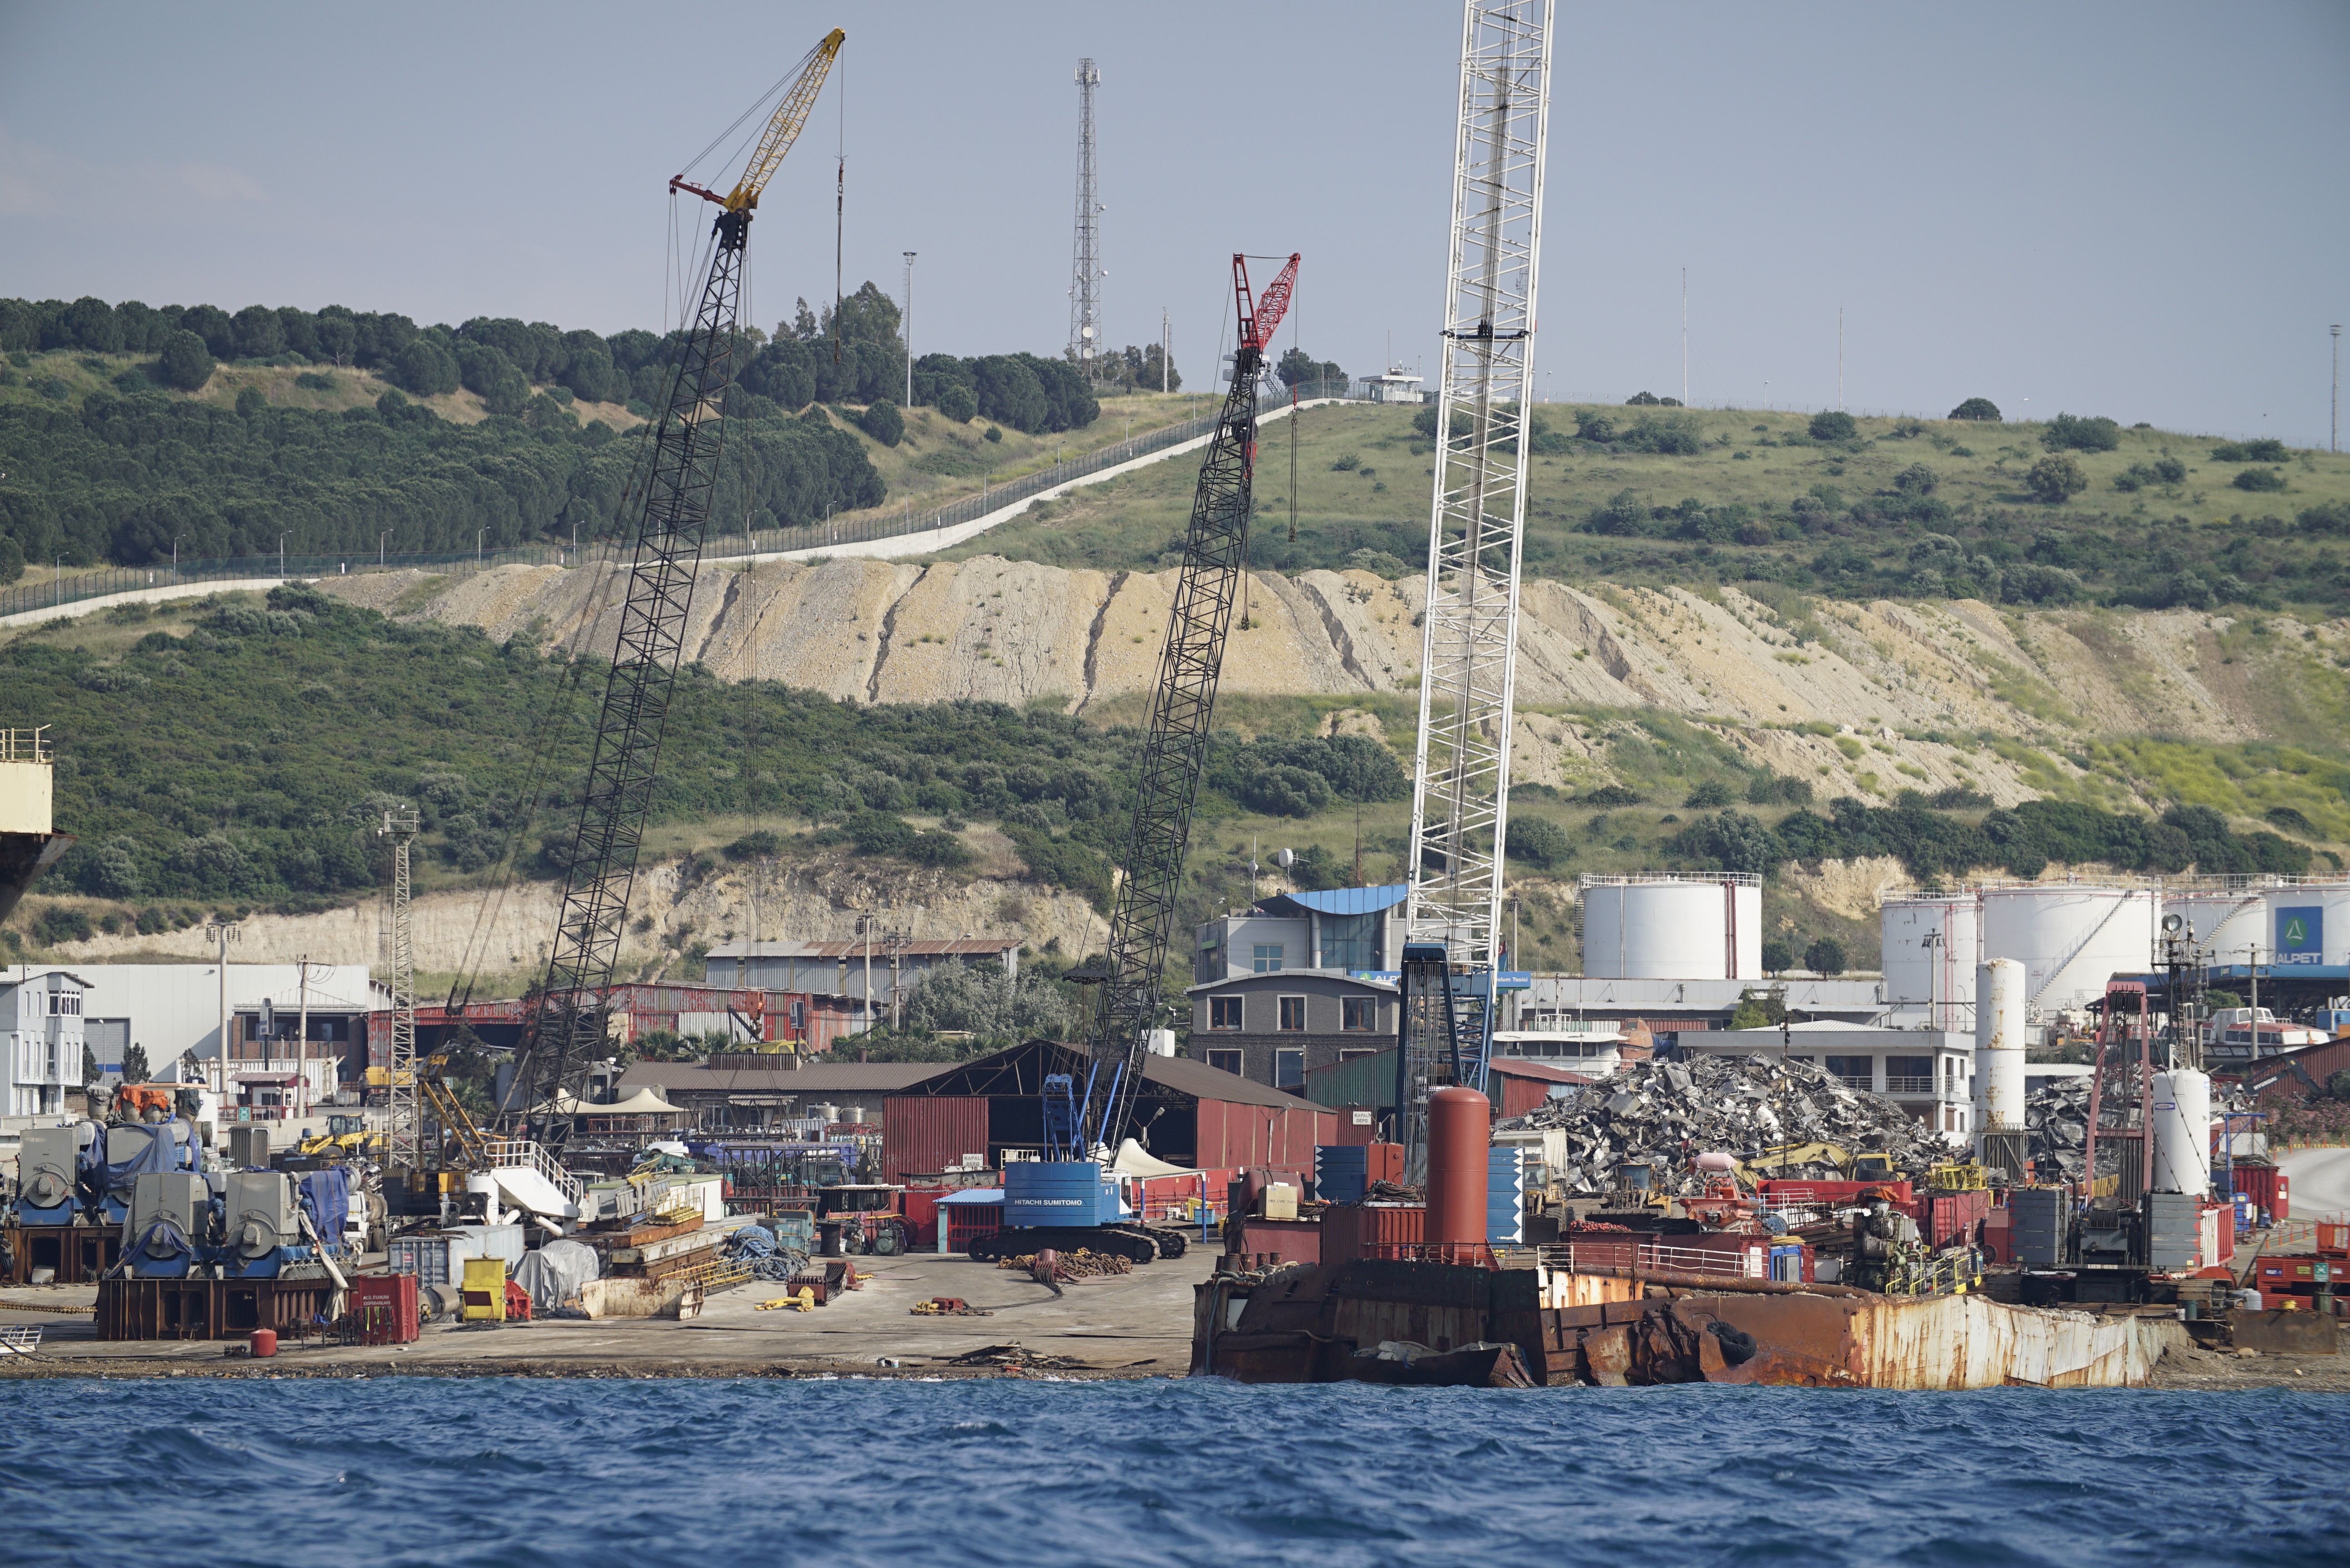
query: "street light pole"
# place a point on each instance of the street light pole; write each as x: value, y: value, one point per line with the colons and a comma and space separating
x: 281, y: 557
x: 2333, y: 438
x: 380, y: 539
x: 908, y: 325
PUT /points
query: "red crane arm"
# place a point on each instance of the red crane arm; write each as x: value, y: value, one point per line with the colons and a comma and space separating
x: 1259, y: 320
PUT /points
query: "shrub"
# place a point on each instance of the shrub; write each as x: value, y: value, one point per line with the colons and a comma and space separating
x: 2328, y: 517
x: 752, y: 845
x: 1708, y: 796
x: 1834, y: 425
x: 1610, y: 796
x: 1916, y: 480
x: 1977, y: 409
x: 1537, y: 841
x: 961, y: 404
x: 1378, y: 562
x: 2067, y: 433
x: 2055, y: 479
x: 1347, y: 463
x: 1825, y: 956
x: 185, y: 362
x: 2267, y: 479
x: 883, y: 423
x: 992, y: 433
x: 60, y: 924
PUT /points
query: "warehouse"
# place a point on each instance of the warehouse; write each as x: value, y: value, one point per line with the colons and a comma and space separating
x: 748, y: 1089
x: 1188, y: 1113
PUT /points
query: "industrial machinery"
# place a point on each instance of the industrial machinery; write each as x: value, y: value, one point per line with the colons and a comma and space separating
x: 1066, y: 1199
x: 170, y: 1221
x: 56, y: 1171
x: 567, y: 1031
x: 852, y: 1218
x: 1453, y: 946
x: 261, y: 1226
x: 133, y: 1149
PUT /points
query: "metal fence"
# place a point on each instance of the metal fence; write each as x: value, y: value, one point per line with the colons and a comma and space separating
x: 912, y: 518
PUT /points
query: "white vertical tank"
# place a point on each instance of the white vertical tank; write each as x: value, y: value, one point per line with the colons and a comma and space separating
x: 1999, y: 1029
x: 1655, y: 927
x: 2182, y: 1131
x: 2306, y: 921
x: 2225, y: 919
x: 1932, y: 943
x: 2070, y: 937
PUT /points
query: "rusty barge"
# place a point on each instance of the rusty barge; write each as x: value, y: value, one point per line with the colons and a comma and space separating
x: 1371, y: 1319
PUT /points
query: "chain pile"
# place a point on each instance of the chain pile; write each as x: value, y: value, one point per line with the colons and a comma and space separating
x: 1080, y: 1264
x: 1663, y: 1114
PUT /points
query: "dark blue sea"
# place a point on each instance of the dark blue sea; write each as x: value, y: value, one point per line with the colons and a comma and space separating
x: 439, y: 1472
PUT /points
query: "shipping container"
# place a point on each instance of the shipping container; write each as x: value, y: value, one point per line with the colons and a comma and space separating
x: 1279, y: 1139
x: 440, y: 1258
x: 923, y: 1134
x: 1341, y: 1173
x: 1355, y: 1230
x: 385, y: 1305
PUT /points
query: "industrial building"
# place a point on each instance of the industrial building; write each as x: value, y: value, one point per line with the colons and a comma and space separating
x: 1298, y: 981
x: 884, y: 966
x: 746, y: 1090
x: 41, y: 1023
x: 168, y: 1010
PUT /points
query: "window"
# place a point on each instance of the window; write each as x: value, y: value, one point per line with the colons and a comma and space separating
x: 65, y: 1004
x: 1225, y: 1062
x: 1288, y: 1069
x: 1349, y: 942
x: 1267, y: 959
x: 1224, y: 1012
x: 1348, y: 1053
x: 1292, y: 1014
x: 1857, y: 1071
x: 1358, y: 1012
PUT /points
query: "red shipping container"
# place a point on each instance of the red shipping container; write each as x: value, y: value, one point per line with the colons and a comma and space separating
x: 929, y: 1133
x: 385, y: 1305
x: 2268, y: 1187
x: 922, y: 1205
x: 1355, y: 1230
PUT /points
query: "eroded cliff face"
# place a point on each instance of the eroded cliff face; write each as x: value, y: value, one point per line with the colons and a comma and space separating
x: 1010, y: 631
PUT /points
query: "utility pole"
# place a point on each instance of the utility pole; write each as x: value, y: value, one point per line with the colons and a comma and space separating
x: 1085, y: 281
x: 908, y: 325
x: 1164, y: 387
x: 1684, y: 337
x: 1839, y: 358
x: 2333, y: 439
x: 222, y: 932
x: 301, y: 1035
x: 404, y: 1126
x: 895, y: 940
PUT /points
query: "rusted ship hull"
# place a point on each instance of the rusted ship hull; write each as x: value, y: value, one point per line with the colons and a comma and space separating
x: 1311, y: 1325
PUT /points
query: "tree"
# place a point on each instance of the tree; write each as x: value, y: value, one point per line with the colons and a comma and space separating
x: 1825, y: 956
x: 1977, y: 409
x: 1834, y: 424
x: 1778, y: 956
x: 260, y: 334
x: 984, y: 1000
x: 89, y: 1073
x: 185, y: 362
x: 2067, y: 433
x: 2055, y: 479
x: 1761, y: 1009
x: 134, y: 1063
x: 212, y: 324
x: 93, y: 326
x: 883, y: 423
x: 1297, y: 367
x: 1539, y: 842
x: 425, y: 369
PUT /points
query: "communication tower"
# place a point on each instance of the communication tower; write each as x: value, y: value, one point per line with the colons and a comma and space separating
x: 1085, y: 269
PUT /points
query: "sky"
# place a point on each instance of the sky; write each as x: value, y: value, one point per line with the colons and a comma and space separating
x: 2128, y: 209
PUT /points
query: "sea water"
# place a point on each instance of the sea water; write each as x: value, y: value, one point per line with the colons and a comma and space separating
x: 435, y: 1471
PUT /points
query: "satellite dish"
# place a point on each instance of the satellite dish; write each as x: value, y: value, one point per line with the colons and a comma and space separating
x: 1285, y: 858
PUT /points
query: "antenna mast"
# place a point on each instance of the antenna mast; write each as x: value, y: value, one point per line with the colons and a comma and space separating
x: 1476, y: 528
x: 1086, y: 272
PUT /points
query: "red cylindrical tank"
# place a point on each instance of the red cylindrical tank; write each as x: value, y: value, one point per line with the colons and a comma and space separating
x: 1460, y: 1137
x: 264, y: 1342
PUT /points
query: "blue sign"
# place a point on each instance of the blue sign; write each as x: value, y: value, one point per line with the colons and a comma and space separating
x: 2301, y: 935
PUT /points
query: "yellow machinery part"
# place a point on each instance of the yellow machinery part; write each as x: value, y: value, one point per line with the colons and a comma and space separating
x: 486, y: 1290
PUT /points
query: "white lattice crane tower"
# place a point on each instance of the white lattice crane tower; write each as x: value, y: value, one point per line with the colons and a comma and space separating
x: 1476, y: 530
x: 405, y: 1128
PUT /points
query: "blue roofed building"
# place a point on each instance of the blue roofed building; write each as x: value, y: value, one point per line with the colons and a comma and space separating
x: 1297, y: 981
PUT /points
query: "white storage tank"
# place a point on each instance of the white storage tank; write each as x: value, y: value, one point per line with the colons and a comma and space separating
x: 2227, y: 915
x: 2000, y: 1044
x: 2070, y: 937
x: 2182, y: 1131
x: 1932, y: 942
x: 2308, y: 922
x: 1657, y: 927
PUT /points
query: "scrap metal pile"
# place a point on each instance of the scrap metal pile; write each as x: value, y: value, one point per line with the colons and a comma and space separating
x: 1662, y: 1114
x: 2057, y: 1115
x: 1083, y: 1263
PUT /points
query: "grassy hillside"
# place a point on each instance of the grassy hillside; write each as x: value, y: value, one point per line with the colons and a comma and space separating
x: 1904, y: 508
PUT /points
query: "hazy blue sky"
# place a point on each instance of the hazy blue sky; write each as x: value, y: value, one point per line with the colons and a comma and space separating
x: 2133, y: 210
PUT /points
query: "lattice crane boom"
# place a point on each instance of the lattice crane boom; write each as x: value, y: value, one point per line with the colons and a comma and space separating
x: 1476, y: 531
x: 566, y: 1030
x: 1175, y: 745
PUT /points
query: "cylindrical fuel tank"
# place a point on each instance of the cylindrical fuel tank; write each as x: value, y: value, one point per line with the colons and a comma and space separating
x: 2182, y: 1132
x: 1999, y: 1045
x: 1663, y: 927
x: 1459, y: 1134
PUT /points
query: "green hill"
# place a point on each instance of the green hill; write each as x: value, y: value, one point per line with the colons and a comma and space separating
x: 1899, y: 508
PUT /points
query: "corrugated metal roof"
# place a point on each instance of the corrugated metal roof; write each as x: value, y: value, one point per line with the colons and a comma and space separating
x: 1019, y: 1071
x: 815, y: 1078
x: 965, y: 947
x: 1344, y: 901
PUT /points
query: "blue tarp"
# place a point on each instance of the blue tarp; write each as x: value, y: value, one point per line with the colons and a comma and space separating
x: 162, y: 1152
x: 328, y: 1194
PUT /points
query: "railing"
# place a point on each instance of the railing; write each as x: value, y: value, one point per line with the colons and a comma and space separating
x: 514, y: 1153
x: 912, y: 518
x: 1907, y: 1085
x: 26, y: 746
x: 1656, y: 1257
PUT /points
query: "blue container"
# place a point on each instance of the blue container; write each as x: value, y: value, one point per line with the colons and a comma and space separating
x: 1506, y: 1195
x: 1342, y: 1172
x: 1061, y: 1192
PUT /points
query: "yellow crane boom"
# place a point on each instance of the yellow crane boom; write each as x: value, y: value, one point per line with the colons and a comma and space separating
x: 783, y: 128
